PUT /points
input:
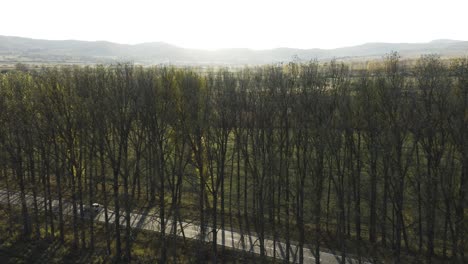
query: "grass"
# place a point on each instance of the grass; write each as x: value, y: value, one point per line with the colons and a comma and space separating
x: 14, y: 248
x: 329, y: 241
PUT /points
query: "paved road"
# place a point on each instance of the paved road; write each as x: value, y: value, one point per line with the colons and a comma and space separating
x: 233, y: 240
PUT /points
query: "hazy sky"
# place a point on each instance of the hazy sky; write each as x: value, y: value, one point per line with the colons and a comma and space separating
x: 262, y: 24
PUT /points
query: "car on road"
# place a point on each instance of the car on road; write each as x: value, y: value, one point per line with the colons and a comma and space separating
x: 90, y: 211
x: 96, y: 207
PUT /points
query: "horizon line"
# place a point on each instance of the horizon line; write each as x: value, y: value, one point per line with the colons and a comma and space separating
x: 235, y: 48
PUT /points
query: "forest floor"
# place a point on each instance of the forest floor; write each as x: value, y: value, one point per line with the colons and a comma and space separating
x: 230, y: 239
x: 15, y: 248
x: 239, y: 245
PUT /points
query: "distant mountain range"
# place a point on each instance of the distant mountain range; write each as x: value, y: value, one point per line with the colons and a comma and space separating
x: 18, y: 49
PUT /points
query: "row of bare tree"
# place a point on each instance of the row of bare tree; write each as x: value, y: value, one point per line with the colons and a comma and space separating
x: 305, y: 154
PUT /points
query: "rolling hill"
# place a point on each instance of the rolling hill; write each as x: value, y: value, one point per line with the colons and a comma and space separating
x: 37, y: 51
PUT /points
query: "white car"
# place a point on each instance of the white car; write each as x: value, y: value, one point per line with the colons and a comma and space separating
x: 90, y: 211
x: 96, y: 207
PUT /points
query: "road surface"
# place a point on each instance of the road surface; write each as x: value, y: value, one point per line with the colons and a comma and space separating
x: 232, y: 239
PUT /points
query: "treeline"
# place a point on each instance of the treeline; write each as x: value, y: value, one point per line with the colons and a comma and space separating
x: 293, y: 153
